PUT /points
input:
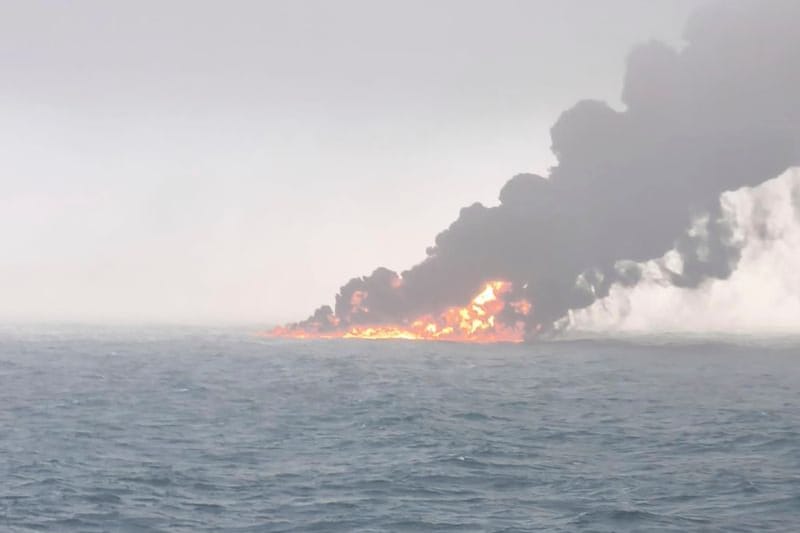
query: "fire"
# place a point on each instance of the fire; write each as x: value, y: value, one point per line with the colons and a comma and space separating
x: 475, y: 322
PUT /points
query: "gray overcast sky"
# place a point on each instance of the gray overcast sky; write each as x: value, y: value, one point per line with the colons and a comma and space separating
x: 202, y: 161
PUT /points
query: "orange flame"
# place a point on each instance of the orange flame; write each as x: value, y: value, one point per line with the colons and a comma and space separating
x: 476, y: 322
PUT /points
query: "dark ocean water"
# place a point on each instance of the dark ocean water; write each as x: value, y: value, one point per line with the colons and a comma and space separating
x: 191, y: 430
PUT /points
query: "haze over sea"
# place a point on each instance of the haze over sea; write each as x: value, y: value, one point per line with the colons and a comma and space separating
x: 187, y: 430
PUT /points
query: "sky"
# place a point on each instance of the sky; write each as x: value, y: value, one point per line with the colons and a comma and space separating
x: 230, y: 162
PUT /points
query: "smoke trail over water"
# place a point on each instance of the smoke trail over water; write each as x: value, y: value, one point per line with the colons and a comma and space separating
x: 720, y: 114
x: 761, y: 296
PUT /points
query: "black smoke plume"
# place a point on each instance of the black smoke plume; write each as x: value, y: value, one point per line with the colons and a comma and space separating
x: 721, y: 113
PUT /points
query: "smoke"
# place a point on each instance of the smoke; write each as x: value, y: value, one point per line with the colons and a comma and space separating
x: 761, y: 295
x: 720, y: 114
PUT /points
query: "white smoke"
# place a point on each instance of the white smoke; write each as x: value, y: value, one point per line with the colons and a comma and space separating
x: 761, y: 296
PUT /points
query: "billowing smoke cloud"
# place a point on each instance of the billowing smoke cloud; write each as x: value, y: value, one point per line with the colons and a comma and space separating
x: 761, y: 296
x: 719, y: 114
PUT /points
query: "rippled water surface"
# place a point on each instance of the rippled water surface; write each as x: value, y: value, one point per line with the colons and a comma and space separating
x: 191, y: 430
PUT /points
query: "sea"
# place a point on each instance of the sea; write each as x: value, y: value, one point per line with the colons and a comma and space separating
x: 164, y: 429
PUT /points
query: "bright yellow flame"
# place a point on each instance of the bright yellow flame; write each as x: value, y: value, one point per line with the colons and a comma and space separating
x: 476, y: 322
